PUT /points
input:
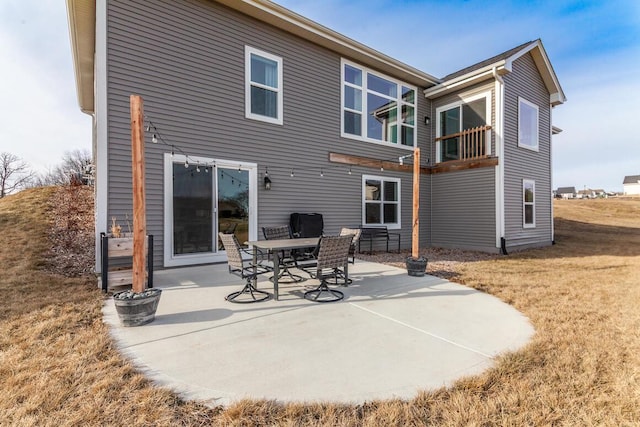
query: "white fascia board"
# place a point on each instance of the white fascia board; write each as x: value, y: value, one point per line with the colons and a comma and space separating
x: 545, y: 68
x: 555, y: 130
x: 463, y: 81
x: 81, y: 17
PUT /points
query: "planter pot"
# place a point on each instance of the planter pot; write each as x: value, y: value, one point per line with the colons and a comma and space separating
x: 416, y: 266
x: 136, y: 309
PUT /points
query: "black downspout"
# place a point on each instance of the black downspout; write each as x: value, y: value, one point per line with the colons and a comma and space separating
x: 503, y: 246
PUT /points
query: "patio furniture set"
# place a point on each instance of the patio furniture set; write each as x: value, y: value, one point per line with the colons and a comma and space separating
x: 300, y: 245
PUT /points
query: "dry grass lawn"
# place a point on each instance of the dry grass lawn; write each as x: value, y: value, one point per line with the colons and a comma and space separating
x: 59, y: 367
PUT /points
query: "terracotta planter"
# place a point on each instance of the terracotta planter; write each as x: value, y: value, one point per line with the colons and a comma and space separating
x: 136, y: 309
x: 416, y: 266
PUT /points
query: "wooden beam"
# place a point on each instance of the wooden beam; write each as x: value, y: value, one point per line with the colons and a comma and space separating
x: 460, y: 165
x: 368, y: 162
x: 451, y: 166
x: 139, y: 211
x: 415, y: 236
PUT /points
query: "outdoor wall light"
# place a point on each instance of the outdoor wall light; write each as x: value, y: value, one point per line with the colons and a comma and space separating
x: 267, y: 181
x: 427, y: 120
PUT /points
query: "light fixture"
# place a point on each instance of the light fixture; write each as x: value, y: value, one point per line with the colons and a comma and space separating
x: 401, y: 160
x: 186, y: 163
x: 427, y: 120
x: 267, y: 180
x: 154, y: 138
x: 292, y: 174
x: 321, y: 173
x: 349, y: 170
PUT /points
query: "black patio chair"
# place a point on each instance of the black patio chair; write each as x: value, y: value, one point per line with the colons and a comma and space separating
x: 333, y: 254
x: 245, y: 269
x: 287, y: 258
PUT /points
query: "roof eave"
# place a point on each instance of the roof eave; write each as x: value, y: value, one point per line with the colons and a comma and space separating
x: 82, y: 19
x: 307, y: 29
x: 465, y: 80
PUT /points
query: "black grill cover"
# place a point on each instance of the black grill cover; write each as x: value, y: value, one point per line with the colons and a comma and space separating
x: 306, y: 224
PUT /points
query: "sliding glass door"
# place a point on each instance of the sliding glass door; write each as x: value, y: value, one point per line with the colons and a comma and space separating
x: 204, y: 197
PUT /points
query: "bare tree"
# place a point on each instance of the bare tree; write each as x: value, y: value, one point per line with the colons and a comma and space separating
x: 14, y: 174
x: 75, y: 165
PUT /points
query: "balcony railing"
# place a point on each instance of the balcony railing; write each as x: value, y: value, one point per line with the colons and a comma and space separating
x: 470, y: 144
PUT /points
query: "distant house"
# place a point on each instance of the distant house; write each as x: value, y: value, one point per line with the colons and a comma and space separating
x: 248, y: 90
x: 631, y: 185
x: 566, y: 192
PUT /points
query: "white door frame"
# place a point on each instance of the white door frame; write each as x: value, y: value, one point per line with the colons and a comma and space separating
x: 172, y: 260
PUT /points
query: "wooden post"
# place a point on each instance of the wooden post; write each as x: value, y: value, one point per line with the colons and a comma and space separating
x: 139, y: 212
x: 415, y: 237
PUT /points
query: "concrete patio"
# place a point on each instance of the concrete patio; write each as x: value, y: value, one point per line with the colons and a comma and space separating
x: 392, y: 336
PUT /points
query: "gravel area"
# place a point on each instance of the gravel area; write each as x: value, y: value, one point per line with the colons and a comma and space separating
x: 441, y: 262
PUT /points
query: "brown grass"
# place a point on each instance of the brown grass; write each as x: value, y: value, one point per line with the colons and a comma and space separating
x: 58, y: 365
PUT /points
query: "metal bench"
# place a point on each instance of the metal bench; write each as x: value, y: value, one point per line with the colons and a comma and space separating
x: 371, y: 234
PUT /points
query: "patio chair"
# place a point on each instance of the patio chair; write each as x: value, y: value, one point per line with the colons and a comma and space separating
x: 287, y: 258
x: 245, y: 269
x: 355, y: 232
x: 333, y: 254
x: 340, y: 276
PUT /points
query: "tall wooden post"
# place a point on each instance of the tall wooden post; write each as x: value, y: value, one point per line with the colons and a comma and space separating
x: 139, y: 211
x: 415, y: 236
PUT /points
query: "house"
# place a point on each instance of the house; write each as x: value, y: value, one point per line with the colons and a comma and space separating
x: 631, y: 185
x: 566, y: 192
x: 238, y: 92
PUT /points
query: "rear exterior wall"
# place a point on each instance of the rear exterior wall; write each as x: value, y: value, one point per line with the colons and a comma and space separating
x: 186, y: 59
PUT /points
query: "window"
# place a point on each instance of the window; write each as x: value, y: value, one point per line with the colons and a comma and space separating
x: 376, y: 108
x: 263, y: 86
x: 527, y: 124
x: 471, y: 112
x: 381, y: 201
x: 528, y: 203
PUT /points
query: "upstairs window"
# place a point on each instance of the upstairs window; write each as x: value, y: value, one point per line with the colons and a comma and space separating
x: 461, y: 133
x: 381, y: 201
x: 377, y: 108
x: 528, y: 203
x: 263, y: 86
x: 527, y: 124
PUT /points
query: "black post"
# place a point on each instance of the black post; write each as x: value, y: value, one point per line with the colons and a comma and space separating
x: 150, y: 260
x: 104, y: 254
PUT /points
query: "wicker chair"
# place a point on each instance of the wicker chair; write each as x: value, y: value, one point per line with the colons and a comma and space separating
x: 332, y: 255
x: 244, y: 269
x: 355, y: 232
x: 287, y: 258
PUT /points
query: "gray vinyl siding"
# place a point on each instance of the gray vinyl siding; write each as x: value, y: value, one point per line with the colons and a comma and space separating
x: 463, y: 210
x: 186, y: 59
x: 521, y: 163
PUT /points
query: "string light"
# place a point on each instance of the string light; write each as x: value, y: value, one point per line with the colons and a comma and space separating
x: 157, y: 138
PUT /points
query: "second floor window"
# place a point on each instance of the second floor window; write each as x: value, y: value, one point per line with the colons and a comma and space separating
x: 377, y: 108
x: 527, y: 124
x: 263, y: 86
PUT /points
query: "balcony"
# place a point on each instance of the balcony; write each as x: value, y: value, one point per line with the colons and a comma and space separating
x: 470, y: 144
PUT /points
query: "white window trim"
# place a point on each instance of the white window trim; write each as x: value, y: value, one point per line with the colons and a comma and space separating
x: 248, y: 50
x: 521, y: 101
x: 363, y: 113
x: 172, y: 260
x: 465, y: 99
x: 396, y: 226
x: 524, y: 203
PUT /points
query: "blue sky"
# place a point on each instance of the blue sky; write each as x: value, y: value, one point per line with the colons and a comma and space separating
x: 594, y: 47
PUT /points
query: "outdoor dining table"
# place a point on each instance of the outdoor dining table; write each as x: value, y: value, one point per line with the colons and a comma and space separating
x: 276, y: 246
